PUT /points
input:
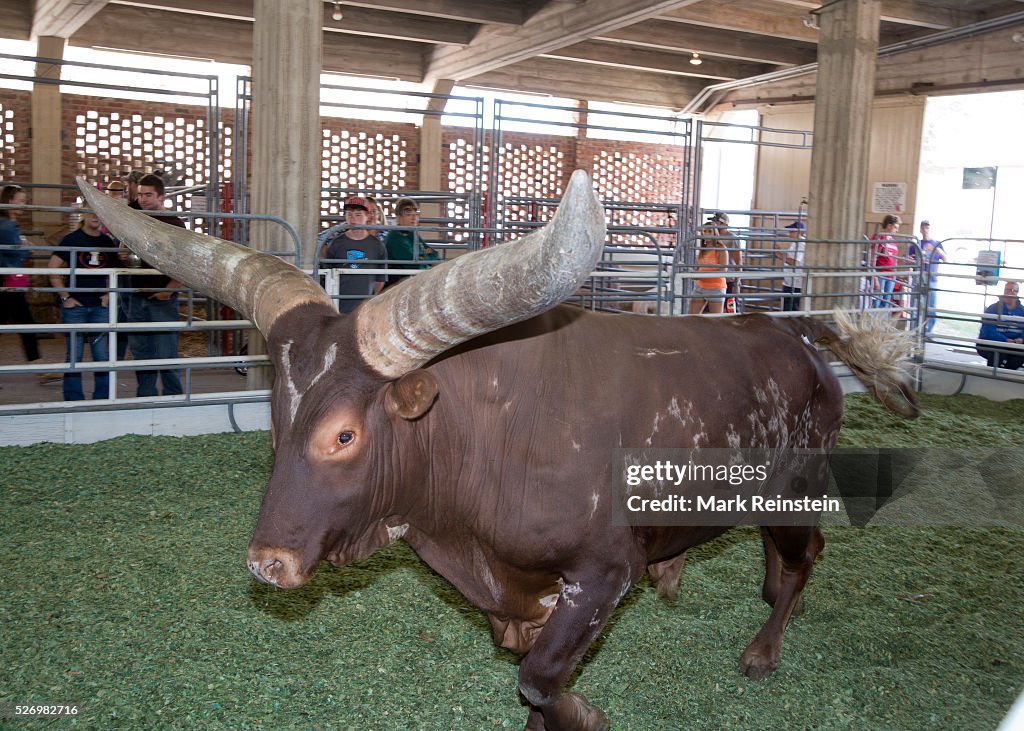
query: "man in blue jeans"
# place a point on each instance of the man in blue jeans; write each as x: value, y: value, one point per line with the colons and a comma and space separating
x: 78, y: 305
x: 153, y: 305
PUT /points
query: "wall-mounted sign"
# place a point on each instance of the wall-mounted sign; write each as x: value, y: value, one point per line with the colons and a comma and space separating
x: 988, y: 267
x: 979, y: 178
x: 889, y: 198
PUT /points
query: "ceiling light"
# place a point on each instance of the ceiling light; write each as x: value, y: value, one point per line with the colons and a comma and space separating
x: 336, y: 14
x: 696, y: 59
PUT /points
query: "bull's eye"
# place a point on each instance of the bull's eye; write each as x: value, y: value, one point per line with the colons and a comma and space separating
x: 345, y: 438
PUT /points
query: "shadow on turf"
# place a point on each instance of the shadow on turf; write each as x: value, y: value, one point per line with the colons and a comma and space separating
x: 296, y: 604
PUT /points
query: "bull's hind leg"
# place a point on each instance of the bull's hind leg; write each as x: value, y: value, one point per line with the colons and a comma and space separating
x: 665, y: 575
x: 789, y: 555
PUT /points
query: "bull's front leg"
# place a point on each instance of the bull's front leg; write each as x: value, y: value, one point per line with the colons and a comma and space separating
x: 584, y: 605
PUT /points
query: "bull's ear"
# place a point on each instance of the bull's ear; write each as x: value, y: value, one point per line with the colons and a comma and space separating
x: 412, y: 395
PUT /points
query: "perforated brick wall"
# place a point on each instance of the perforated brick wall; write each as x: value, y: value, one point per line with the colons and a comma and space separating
x: 109, y: 137
x: 114, y: 136
x: 15, y: 149
x: 368, y: 157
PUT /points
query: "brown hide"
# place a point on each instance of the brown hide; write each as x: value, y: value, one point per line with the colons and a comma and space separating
x: 494, y: 463
x: 521, y: 437
x: 505, y: 481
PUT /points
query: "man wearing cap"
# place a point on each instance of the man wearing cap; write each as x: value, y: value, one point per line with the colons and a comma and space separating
x: 994, y: 327
x: 930, y: 251
x: 793, y: 259
x: 355, y: 248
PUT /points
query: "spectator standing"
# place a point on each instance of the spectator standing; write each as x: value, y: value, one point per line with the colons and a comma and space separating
x: 376, y: 217
x: 153, y: 306
x: 720, y: 221
x: 886, y: 251
x: 407, y: 245
x: 13, y: 253
x: 115, y: 189
x: 930, y: 252
x: 80, y: 307
x: 134, y: 178
x: 793, y: 261
x: 994, y: 327
x: 355, y: 248
x: 712, y: 256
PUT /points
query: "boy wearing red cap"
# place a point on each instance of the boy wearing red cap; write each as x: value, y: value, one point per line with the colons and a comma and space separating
x: 355, y: 248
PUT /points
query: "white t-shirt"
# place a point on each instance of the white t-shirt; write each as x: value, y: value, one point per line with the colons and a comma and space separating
x: 794, y: 276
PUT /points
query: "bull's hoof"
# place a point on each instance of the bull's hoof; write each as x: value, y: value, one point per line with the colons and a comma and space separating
x: 570, y: 712
x: 757, y: 665
x: 535, y: 722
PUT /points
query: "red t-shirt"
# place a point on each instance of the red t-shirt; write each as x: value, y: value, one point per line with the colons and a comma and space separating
x: 886, y: 251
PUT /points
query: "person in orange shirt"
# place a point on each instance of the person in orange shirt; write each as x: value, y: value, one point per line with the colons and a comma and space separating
x: 712, y: 256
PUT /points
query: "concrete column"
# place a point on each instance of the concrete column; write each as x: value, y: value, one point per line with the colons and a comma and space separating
x: 431, y: 176
x: 847, y: 51
x: 285, y: 142
x: 47, y: 143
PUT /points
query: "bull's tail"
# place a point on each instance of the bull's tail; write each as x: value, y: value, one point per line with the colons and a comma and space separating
x: 874, y: 349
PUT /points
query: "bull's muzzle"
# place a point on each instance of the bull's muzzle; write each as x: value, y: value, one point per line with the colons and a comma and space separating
x: 280, y: 567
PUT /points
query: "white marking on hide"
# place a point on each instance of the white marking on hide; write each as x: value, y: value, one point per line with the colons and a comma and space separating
x: 495, y: 383
x: 576, y: 445
x: 624, y: 588
x: 548, y: 601
x: 768, y: 421
x: 506, y: 406
x: 594, y: 620
x: 329, y: 357
x: 653, y: 352
x: 569, y: 591
x: 732, y: 437
x: 594, y: 500
x: 654, y: 428
x: 483, y: 569
x: 396, y: 532
x: 806, y: 340
x: 294, y: 398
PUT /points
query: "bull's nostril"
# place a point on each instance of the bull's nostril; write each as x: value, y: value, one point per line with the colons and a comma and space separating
x: 266, y: 570
x: 276, y: 565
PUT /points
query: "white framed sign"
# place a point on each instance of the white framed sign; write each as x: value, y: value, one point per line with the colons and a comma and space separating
x: 889, y: 198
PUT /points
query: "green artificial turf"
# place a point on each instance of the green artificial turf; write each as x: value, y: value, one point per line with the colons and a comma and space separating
x: 125, y: 589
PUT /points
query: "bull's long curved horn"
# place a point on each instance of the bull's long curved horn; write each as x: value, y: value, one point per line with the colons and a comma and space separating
x: 260, y: 286
x: 406, y: 326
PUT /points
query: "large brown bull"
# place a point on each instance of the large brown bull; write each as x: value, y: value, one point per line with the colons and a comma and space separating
x: 466, y: 414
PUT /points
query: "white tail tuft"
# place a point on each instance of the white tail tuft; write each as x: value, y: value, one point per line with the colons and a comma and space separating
x: 875, y: 350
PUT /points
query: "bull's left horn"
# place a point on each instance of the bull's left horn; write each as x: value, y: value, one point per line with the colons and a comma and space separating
x: 260, y: 286
x: 407, y: 326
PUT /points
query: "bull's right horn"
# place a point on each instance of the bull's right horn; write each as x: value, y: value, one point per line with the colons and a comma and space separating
x: 407, y: 326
